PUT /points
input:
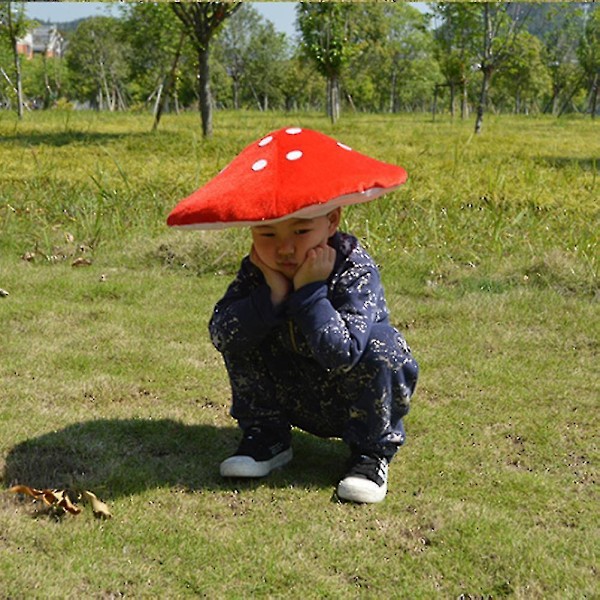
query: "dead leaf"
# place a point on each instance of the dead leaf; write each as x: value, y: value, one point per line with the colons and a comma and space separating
x: 69, y: 506
x: 81, y: 262
x: 51, y: 498
x: 99, y: 508
x: 25, y: 489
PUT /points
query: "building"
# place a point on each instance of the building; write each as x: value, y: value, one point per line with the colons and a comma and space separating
x: 44, y: 40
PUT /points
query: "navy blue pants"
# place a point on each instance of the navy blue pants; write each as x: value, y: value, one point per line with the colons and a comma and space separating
x: 275, y: 387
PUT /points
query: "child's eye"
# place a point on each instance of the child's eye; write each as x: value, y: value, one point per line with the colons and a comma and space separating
x: 301, y: 231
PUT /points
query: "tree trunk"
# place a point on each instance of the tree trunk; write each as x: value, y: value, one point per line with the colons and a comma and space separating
x: 17, y: 62
x: 483, y: 97
x: 204, y: 92
x: 464, y: 108
x: 393, y: 92
x: 333, y: 98
x: 161, y: 102
x: 486, y: 66
x: 594, y: 96
x: 236, y: 93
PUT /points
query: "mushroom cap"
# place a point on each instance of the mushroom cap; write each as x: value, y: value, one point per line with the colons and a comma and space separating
x: 291, y: 172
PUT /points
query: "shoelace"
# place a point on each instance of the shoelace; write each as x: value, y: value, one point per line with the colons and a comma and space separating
x: 373, y: 468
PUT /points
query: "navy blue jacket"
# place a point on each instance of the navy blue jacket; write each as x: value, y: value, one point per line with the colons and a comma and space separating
x: 328, y: 321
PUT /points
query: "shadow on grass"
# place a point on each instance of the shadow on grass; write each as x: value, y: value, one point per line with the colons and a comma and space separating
x: 561, y: 162
x: 121, y: 457
x: 64, y: 138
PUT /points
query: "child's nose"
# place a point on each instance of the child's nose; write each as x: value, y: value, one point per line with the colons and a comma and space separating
x: 286, y: 247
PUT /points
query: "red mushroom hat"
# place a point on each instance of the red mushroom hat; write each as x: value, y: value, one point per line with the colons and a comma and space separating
x: 292, y: 172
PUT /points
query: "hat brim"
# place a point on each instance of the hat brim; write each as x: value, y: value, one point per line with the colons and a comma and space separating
x: 308, y: 212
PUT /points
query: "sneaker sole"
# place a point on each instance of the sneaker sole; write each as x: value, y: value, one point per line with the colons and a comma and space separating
x: 358, y: 489
x: 245, y: 466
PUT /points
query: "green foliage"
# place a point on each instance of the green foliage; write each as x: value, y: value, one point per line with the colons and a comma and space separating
x: 255, y: 58
x: 396, y: 69
x: 153, y: 32
x: 589, y: 49
x: 96, y: 58
x: 325, y: 29
x: 524, y: 77
x: 376, y: 57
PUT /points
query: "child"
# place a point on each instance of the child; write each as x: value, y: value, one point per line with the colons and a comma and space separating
x: 305, y: 336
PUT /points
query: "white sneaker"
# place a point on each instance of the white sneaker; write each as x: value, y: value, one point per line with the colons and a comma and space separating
x: 366, y: 481
x: 256, y: 456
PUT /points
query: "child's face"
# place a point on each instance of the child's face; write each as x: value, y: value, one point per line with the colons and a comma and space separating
x: 283, y: 246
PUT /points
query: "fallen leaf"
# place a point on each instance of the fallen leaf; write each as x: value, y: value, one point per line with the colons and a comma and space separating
x: 55, y: 498
x: 69, y: 506
x: 81, y: 262
x: 99, y: 508
x: 25, y: 489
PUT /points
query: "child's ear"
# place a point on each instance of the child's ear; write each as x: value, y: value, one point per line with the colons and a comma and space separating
x: 334, y: 220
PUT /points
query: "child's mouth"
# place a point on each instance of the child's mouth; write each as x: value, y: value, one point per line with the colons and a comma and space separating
x: 287, y: 265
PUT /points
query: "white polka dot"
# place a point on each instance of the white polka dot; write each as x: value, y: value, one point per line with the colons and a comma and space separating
x: 259, y: 165
x: 344, y: 146
x: 265, y: 141
x: 293, y: 130
x: 294, y: 155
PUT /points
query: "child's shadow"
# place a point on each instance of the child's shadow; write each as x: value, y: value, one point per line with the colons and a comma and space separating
x: 116, y: 457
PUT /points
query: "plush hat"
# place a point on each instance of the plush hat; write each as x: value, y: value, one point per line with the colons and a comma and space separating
x: 292, y: 172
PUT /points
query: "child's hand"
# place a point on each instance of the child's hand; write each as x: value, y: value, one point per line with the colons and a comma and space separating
x: 280, y: 285
x: 317, y: 266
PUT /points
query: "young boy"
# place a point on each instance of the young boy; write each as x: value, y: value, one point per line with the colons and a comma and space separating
x: 304, y: 328
x: 306, y: 340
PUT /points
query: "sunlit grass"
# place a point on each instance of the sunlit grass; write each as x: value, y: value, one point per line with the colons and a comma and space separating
x: 108, y: 380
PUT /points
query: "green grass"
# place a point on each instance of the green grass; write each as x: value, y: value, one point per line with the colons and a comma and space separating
x: 108, y: 381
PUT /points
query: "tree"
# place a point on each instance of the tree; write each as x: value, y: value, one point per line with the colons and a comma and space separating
x: 501, y: 24
x: 13, y: 25
x: 325, y: 28
x: 524, y: 76
x: 233, y: 46
x: 156, y: 37
x: 301, y: 83
x: 201, y: 21
x: 456, y: 47
x: 267, y: 55
x: 392, y: 65
x: 96, y: 57
x: 559, y: 28
x: 43, y: 79
x: 589, y: 57
x: 408, y: 45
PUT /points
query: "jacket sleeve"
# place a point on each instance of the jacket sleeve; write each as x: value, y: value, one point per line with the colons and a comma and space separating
x: 245, y: 315
x: 338, y: 329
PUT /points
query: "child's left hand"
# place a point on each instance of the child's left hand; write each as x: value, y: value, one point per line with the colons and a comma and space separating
x: 317, y: 266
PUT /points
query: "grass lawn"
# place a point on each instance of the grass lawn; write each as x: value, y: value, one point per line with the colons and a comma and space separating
x: 109, y: 383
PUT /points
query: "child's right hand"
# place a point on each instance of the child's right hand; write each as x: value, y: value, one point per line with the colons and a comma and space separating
x: 317, y: 266
x: 280, y: 285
